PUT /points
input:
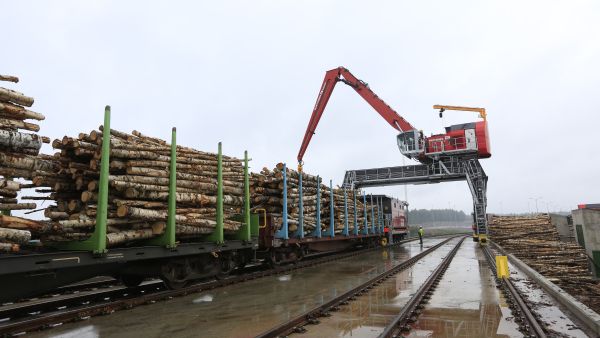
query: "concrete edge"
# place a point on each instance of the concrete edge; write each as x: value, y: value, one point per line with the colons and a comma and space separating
x: 588, y: 316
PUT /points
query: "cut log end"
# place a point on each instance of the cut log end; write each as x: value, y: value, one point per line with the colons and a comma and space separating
x: 122, y: 211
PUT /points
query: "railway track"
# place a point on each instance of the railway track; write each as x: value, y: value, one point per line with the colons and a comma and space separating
x: 299, y: 323
x: 528, y: 323
x: 412, y: 309
x: 400, y: 324
x: 104, y: 298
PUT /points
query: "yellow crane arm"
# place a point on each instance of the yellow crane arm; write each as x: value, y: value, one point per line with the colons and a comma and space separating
x: 442, y: 108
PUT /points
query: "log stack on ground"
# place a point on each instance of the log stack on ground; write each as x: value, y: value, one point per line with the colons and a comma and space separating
x: 19, y: 159
x: 536, y: 241
x: 139, y: 188
x: 266, y: 190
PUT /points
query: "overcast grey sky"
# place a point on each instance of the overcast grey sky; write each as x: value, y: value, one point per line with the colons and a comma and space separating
x: 248, y: 72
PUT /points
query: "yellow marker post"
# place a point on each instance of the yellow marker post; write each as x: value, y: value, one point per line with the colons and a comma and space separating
x: 502, y: 266
x: 384, y: 241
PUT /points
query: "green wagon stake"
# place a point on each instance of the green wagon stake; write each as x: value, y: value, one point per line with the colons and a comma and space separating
x: 97, y: 242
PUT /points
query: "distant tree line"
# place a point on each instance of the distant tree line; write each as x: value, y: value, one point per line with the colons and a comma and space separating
x: 420, y: 216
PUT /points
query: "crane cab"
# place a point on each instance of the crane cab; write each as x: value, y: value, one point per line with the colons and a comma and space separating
x: 460, y: 139
x: 411, y: 143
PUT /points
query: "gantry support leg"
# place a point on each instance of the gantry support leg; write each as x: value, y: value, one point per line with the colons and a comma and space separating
x: 477, y: 180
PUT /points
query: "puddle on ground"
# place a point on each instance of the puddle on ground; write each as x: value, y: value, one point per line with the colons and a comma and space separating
x: 285, y: 278
x: 544, y: 305
x: 203, y: 299
x: 465, y: 304
x: 244, y: 309
x: 368, y: 315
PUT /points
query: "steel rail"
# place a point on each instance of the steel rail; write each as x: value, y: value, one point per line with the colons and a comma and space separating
x: 40, y: 305
x: 411, y: 309
x: 529, y: 323
x: 87, y: 285
x: 72, y: 308
x: 296, y: 325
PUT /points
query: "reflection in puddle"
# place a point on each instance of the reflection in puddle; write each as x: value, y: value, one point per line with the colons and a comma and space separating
x: 88, y: 331
x: 284, y: 278
x: 465, y: 304
x: 370, y: 313
x: 203, y: 299
x: 447, y: 322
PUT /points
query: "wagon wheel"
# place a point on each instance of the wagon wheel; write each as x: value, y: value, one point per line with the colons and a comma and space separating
x: 299, y: 251
x: 274, y: 258
x: 175, y: 274
x: 225, y: 265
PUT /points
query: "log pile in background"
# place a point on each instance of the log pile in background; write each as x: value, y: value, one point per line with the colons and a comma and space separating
x: 535, y: 241
x: 266, y: 190
x: 19, y: 149
x: 138, y: 188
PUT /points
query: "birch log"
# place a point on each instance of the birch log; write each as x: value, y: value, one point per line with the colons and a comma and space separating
x: 19, y: 124
x: 19, y: 206
x: 15, y: 236
x: 14, y: 141
x: 17, y: 112
x: 114, y: 239
x: 15, y: 97
x: 9, y: 247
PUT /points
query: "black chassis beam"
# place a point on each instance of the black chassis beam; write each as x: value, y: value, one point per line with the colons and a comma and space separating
x: 28, y: 275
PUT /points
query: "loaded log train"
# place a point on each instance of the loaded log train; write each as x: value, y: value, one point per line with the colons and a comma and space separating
x: 262, y: 237
x: 225, y: 233
x: 37, y: 270
x: 255, y: 234
x: 134, y: 207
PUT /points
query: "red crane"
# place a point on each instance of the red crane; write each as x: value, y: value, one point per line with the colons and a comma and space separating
x: 469, y: 139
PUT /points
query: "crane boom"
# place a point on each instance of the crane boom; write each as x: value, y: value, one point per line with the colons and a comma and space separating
x: 449, y: 156
x: 332, y: 77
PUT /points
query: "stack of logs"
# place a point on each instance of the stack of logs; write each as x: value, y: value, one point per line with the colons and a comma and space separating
x: 535, y: 240
x: 18, y: 159
x: 138, y: 188
x: 266, y: 190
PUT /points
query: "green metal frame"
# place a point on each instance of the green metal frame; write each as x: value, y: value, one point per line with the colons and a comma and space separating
x: 167, y: 239
x: 245, y: 232
x: 254, y: 225
x: 97, y: 242
x: 217, y: 236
